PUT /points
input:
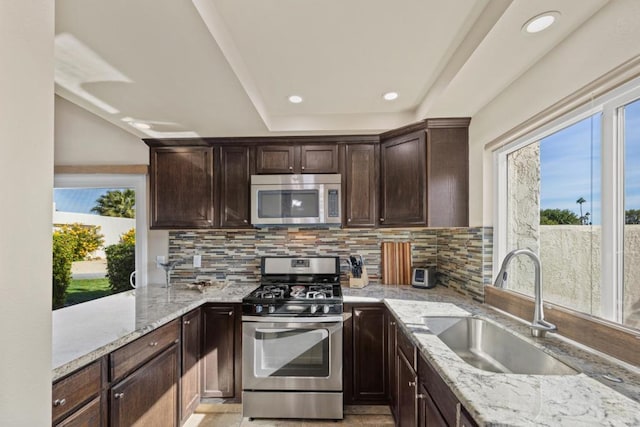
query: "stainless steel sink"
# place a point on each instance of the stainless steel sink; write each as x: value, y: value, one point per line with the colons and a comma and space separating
x: 487, y: 346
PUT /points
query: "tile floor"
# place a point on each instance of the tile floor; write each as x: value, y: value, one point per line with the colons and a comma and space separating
x: 230, y: 415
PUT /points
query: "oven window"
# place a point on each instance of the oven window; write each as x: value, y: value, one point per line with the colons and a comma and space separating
x: 288, y: 204
x: 292, y: 353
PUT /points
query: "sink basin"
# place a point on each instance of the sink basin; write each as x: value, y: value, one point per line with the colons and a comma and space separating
x: 486, y: 346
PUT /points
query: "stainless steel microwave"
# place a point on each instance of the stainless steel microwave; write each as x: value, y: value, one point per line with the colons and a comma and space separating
x: 307, y: 199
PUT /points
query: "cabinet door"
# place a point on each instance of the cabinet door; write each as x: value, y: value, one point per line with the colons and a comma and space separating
x: 87, y: 416
x: 190, y: 372
x: 219, y: 334
x: 407, y: 383
x: 368, y: 382
x: 181, y: 187
x: 276, y: 159
x: 361, y: 185
x: 448, y: 178
x: 391, y: 357
x: 319, y: 158
x: 428, y: 414
x: 403, y: 181
x: 149, y: 396
x: 234, y: 187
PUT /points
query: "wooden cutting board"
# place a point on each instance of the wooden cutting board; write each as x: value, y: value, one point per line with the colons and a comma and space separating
x: 396, y: 263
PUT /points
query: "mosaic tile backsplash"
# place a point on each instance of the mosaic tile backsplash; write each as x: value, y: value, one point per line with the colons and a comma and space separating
x: 459, y: 254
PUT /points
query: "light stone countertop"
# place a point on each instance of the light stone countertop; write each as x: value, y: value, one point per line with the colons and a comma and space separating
x: 86, y: 332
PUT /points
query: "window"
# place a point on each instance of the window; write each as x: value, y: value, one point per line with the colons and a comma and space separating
x: 77, y: 212
x: 570, y: 191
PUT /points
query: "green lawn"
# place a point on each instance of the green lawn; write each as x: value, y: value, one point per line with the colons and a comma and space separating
x: 81, y: 290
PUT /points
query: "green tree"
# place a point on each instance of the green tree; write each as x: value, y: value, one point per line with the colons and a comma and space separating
x: 558, y: 216
x: 632, y: 216
x: 121, y: 261
x: 86, y: 238
x: 583, y: 219
x: 63, y: 246
x: 119, y: 203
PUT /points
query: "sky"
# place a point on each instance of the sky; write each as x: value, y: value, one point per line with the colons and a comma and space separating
x: 78, y: 200
x: 570, y: 165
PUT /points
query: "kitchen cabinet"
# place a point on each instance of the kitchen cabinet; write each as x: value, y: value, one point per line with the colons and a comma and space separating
x: 428, y: 413
x: 392, y: 328
x: 181, y: 187
x: 190, y: 364
x: 234, y: 176
x: 407, y: 381
x: 144, y: 379
x: 403, y: 194
x: 77, y: 398
x: 360, y: 183
x: 222, y: 351
x: 365, y: 362
x: 148, y: 396
x: 299, y: 158
x: 448, y: 173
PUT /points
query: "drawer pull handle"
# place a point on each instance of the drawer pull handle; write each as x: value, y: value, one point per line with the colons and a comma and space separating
x: 118, y: 395
x: 412, y: 383
x: 59, y: 402
x: 153, y: 344
x: 393, y: 323
x: 186, y: 322
x: 381, y: 219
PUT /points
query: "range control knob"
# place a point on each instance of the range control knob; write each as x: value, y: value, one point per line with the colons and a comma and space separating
x: 272, y: 309
x: 326, y: 309
x: 313, y: 308
x: 258, y: 308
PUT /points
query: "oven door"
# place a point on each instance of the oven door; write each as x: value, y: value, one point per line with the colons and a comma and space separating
x: 295, y: 354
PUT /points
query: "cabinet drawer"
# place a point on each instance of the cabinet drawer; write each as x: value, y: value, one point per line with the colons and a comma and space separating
x: 88, y: 415
x: 407, y: 348
x: 134, y: 354
x: 71, y: 392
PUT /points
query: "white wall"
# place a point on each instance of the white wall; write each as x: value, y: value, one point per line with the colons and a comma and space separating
x: 26, y: 168
x: 608, y: 39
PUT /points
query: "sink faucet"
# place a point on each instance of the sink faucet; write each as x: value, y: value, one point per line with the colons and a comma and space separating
x: 539, y: 326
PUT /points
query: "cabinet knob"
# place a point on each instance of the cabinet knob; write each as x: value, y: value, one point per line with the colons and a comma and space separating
x: 187, y: 322
x: 118, y: 395
x: 290, y: 168
x: 381, y: 219
x: 420, y: 396
x: 412, y: 383
x: 302, y: 167
x: 245, y: 221
x: 230, y: 313
x: 153, y: 344
x: 392, y: 323
x: 348, y: 219
x: 59, y: 402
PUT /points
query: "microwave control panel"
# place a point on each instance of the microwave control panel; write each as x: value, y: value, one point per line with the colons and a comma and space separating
x: 334, y: 204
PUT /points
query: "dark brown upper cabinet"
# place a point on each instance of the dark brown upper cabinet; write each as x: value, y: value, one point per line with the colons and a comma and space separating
x: 234, y: 175
x: 282, y: 159
x: 181, y: 187
x: 403, y: 196
x: 448, y: 173
x: 360, y: 183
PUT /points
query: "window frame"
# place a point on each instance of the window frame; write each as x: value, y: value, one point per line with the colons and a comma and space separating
x: 610, y: 105
x: 136, y: 181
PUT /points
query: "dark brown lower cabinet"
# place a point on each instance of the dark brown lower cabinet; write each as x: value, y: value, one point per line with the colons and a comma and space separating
x: 221, y: 351
x: 149, y: 396
x: 190, y: 364
x: 365, y: 361
x: 391, y: 357
x: 407, y: 413
x: 428, y: 414
x: 87, y: 416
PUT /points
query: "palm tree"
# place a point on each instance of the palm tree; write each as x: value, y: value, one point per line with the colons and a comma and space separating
x: 119, y: 203
x: 580, y: 201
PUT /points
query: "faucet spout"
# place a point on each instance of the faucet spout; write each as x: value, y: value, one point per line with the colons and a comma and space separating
x: 539, y: 326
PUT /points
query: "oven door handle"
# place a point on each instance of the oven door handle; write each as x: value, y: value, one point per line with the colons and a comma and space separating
x: 270, y: 319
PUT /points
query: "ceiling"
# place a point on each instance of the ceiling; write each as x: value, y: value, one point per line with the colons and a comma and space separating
x: 189, y: 68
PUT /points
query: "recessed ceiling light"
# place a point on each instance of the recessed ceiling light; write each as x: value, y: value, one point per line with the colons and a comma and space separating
x: 540, y: 22
x: 295, y: 99
x: 390, y: 96
x: 140, y: 125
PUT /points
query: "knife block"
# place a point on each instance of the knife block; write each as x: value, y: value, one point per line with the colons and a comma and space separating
x: 359, y: 282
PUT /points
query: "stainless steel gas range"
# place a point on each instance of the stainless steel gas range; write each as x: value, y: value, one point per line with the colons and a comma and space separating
x: 292, y: 340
